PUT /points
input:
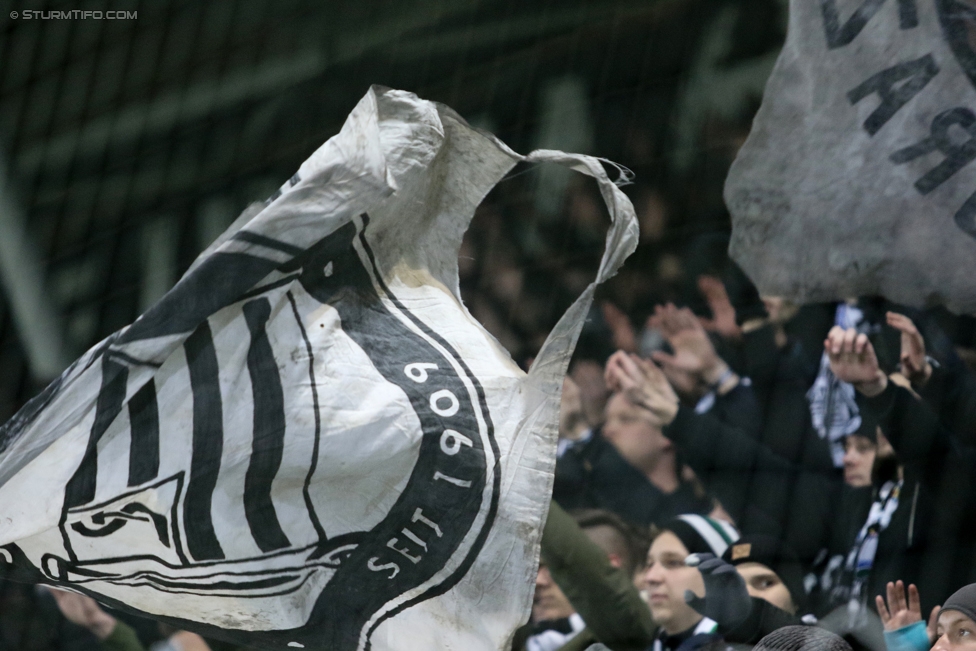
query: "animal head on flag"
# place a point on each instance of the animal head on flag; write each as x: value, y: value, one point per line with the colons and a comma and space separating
x: 858, y: 175
x: 309, y: 442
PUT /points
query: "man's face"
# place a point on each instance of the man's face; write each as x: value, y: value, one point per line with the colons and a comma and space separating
x: 588, y: 376
x: 956, y: 632
x: 763, y: 583
x: 632, y: 433
x: 549, y: 602
x: 666, y: 578
x: 859, y: 453
x: 571, y: 417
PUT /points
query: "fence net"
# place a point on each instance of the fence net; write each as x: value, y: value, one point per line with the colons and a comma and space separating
x: 127, y: 144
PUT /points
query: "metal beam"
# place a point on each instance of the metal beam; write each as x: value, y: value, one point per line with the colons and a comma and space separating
x: 192, y: 104
x: 542, y: 25
x: 159, y: 250
x: 206, y: 98
x: 22, y: 278
x: 713, y: 87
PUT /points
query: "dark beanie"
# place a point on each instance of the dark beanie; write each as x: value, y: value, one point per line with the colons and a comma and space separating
x: 777, y: 556
x: 802, y: 638
x: 701, y: 534
x: 869, y: 425
x: 963, y: 600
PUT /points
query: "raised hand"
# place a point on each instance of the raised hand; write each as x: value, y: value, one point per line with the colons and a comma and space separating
x: 902, y: 610
x: 723, y: 313
x: 644, y: 385
x: 914, y: 364
x: 84, y: 611
x: 726, y: 598
x: 694, y: 364
x: 852, y: 359
x: 624, y: 337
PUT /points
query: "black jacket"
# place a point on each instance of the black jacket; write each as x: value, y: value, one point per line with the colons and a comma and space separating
x: 929, y: 537
x: 594, y: 475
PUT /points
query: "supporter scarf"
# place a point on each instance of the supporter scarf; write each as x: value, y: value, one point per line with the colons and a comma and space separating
x: 665, y: 642
x: 860, y: 559
x: 833, y: 410
x: 555, y: 633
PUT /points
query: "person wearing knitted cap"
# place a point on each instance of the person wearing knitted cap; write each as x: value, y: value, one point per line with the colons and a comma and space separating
x: 755, y: 588
x: 899, y: 538
x: 956, y: 629
x: 667, y: 578
x: 865, y: 449
x: 802, y: 638
x: 951, y: 627
x: 771, y: 571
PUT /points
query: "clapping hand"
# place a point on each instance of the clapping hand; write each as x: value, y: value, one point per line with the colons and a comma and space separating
x: 644, y: 385
x: 695, y: 364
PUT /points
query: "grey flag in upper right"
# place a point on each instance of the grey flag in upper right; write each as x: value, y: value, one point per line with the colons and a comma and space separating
x: 858, y: 176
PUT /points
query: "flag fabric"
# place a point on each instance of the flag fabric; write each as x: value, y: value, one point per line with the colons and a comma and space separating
x: 309, y: 442
x: 858, y: 176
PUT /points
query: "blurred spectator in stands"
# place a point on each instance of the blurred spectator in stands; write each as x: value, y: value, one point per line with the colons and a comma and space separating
x: 115, y: 635
x: 629, y: 468
x: 593, y: 555
x: 668, y: 579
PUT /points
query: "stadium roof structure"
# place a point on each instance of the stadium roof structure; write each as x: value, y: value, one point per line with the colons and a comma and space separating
x: 128, y: 144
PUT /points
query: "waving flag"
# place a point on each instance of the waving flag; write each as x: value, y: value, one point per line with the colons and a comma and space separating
x: 858, y: 176
x: 309, y: 442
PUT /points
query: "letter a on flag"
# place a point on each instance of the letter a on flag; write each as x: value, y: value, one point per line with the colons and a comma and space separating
x: 309, y: 442
x: 859, y: 175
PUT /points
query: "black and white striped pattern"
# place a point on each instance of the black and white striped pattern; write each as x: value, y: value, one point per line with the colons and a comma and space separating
x: 286, y: 452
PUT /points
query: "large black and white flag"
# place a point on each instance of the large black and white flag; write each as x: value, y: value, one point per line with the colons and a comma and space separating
x: 309, y: 442
x: 858, y: 177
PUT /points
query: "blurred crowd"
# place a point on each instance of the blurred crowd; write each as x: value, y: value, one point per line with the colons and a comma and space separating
x: 748, y: 465
x: 730, y: 466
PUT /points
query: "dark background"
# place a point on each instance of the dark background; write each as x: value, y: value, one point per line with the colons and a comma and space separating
x: 127, y: 146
